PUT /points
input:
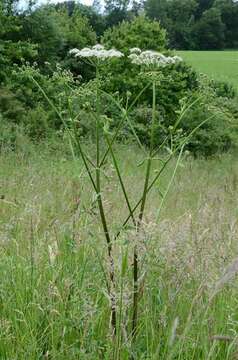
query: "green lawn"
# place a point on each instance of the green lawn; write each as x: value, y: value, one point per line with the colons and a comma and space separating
x: 220, y: 65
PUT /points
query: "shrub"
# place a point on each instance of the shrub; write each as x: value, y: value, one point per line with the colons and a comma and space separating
x: 215, y: 101
x: 23, y: 103
x: 140, y: 32
x: 219, y: 134
x: 215, y: 136
x: 141, y: 117
x: 223, y: 89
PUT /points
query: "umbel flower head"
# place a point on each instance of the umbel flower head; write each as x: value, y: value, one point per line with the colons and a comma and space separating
x: 152, y: 58
x: 97, y: 52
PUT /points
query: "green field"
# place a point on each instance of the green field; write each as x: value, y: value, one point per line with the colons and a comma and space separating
x: 219, y: 65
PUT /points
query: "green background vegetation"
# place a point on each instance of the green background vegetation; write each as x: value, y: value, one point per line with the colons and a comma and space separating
x: 35, y: 43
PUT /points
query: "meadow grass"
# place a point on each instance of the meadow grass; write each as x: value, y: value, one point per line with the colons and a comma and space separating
x: 53, y: 290
x: 219, y: 65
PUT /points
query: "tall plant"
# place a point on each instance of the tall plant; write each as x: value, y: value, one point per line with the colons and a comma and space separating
x: 150, y: 63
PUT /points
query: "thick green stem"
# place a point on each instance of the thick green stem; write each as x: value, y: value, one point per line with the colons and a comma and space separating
x: 125, y: 113
x: 103, y: 218
x: 121, y: 180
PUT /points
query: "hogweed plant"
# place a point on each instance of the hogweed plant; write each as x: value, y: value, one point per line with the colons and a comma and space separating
x: 150, y: 64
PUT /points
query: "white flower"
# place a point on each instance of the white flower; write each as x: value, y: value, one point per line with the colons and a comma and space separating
x: 73, y: 51
x: 135, y: 50
x: 83, y: 53
x: 98, y: 51
x: 98, y: 47
x: 152, y: 58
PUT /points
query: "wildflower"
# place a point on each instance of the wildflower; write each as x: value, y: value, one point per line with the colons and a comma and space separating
x: 73, y: 51
x: 98, y: 51
x: 98, y: 47
x: 151, y: 58
x: 135, y: 50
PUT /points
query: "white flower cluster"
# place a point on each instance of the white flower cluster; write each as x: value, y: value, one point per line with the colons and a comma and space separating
x: 151, y: 58
x: 97, y: 51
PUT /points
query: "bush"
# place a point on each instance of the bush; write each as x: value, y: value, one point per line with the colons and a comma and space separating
x: 215, y: 136
x: 215, y: 101
x: 23, y: 103
x: 223, y: 89
x: 140, y: 32
x: 220, y: 133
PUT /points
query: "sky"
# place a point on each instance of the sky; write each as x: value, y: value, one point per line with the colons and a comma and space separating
x: 86, y: 2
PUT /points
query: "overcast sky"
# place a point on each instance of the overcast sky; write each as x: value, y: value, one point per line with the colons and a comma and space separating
x: 86, y: 2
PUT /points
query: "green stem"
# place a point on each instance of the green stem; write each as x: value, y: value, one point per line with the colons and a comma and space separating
x: 103, y: 217
x: 139, y: 201
x: 120, y: 180
x: 170, y: 182
x: 125, y: 113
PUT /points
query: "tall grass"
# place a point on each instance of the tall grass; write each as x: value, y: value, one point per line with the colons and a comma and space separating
x: 54, y: 296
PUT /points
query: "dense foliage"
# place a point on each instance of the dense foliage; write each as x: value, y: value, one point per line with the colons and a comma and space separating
x: 190, y: 24
x: 197, y: 24
x: 35, y: 44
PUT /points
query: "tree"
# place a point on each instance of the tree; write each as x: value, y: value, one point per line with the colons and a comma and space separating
x: 75, y: 32
x: 179, y: 22
x: 13, y: 49
x: 209, y: 31
x: 156, y: 9
x: 41, y: 28
x: 229, y: 15
x: 177, y: 17
x: 95, y: 19
x: 97, y: 6
x: 197, y: 24
x: 62, y: 29
x: 203, y: 5
x: 116, y: 11
x: 141, y: 32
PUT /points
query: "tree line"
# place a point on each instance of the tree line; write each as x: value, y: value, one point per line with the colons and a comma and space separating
x: 197, y: 24
x: 46, y: 33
